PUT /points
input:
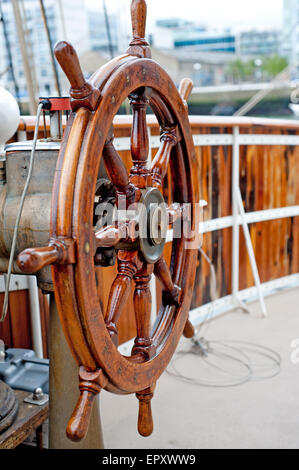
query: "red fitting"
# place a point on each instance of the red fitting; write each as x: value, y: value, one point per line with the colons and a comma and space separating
x: 57, y: 104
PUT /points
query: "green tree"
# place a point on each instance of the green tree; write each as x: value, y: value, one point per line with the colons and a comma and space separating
x: 273, y: 65
x: 240, y: 70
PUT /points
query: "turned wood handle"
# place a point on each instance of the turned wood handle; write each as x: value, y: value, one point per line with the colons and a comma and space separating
x: 189, y: 331
x: 145, y: 417
x: 69, y: 62
x: 77, y: 427
x: 185, y: 89
x: 34, y: 259
x: 90, y: 385
x: 138, y: 14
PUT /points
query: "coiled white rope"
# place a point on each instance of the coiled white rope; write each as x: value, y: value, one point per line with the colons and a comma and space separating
x: 231, y: 359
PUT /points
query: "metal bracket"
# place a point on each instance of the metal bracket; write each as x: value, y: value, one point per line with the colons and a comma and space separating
x: 38, y: 397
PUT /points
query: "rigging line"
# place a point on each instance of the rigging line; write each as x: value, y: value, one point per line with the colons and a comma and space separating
x: 32, y: 92
x: 19, y: 215
x: 206, y: 323
x: 51, y: 47
x: 4, y: 72
x: 205, y: 349
x: 252, y: 102
x: 62, y: 18
x: 28, y: 39
x: 273, y: 357
x: 110, y: 45
x: 241, y: 379
x: 9, y: 54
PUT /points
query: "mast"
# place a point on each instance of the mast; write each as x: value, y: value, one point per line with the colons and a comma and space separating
x: 29, y: 45
x: 61, y: 11
x: 51, y: 47
x: 110, y: 45
x: 27, y: 69
x: 9, y: 55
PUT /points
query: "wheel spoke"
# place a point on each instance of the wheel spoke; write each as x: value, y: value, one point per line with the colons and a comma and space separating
x: 128, y: 265
x: 117, y: 170
x: 110, y: 236
x: 171, y: 292
x: 174, y: 213
x: 161, y: 110
x: 142, y: 306
x: 170, y: 296
x: 139, y: 135
x: 169, y: 139
x: 185, y: 88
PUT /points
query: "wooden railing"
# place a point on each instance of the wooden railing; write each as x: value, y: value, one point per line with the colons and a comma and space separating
x: 261, y: 158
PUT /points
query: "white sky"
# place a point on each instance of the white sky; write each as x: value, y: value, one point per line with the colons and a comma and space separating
x: 218, y: 13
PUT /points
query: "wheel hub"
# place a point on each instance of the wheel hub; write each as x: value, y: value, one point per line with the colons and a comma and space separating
x: 152, y: 224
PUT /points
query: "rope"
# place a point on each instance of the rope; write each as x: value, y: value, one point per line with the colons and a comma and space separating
x: 20, y: 210
x: 224, y: 356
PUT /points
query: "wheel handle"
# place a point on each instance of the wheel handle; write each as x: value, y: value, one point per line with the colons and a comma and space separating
x: 60, y: 251
x: 83, y: 94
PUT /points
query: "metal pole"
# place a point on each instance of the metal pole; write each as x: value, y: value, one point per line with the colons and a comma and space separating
x: 27, y: 70
x: 63, y: 27
x: 64, y: 392
x: 9, y: 55
x: 251, y: 254
x: 235, y: 213
x: 29, y: 45
x: 51, y: 46
x: 35, y: 316
x: 110, y: 45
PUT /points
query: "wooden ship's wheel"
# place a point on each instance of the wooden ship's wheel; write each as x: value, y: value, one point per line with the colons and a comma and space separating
x: 76, y: 244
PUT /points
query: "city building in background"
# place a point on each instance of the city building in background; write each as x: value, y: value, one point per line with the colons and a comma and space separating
x: 99, y: 40
x: 172, y: 34
x: 290, y: 35
x: 204, y: 68
x: 73, y: 20
x: 208, y: 56
x: 259, y: 42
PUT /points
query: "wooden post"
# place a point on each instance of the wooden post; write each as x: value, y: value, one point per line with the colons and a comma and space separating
x: 64, y: 392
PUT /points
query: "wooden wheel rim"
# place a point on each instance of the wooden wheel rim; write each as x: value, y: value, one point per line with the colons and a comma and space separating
x: 72, y: 207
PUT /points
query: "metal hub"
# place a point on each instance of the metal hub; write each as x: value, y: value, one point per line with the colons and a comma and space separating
x: 152, y: 224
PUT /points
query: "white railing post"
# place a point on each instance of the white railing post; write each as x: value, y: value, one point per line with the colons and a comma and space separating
x: 35, y: 317
x: 239, y: 213
x: 251, y: 255
x: 235, y: 214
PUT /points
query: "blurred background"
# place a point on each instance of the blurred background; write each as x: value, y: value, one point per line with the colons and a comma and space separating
x: 233, y: 51
x: 243, y: 60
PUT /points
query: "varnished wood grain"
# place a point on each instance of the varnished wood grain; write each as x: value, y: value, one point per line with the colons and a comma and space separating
x: 283, y: 244
x: 177, y: 171
x: 29, y: 418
